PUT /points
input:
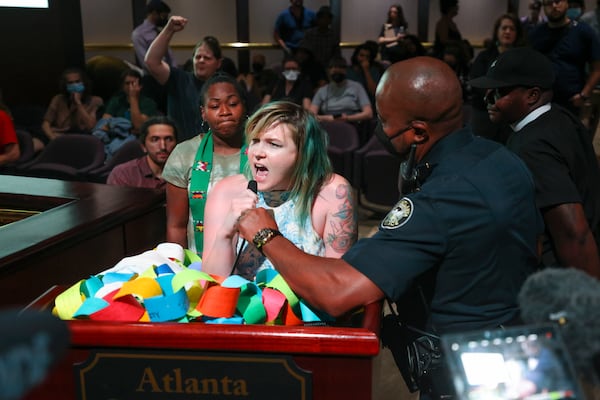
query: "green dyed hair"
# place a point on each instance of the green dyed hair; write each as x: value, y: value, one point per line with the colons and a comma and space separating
x: 313, y: 167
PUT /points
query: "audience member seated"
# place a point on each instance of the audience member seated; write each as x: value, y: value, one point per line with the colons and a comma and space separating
x: 74, y: 109
x: 9, y: 145
x: 260, y: 79
x: 313, y: 206
x: 130, y: 103
x: 365, y: 69
x: 158, y: 137
x: 197, y: 164
x: 392, y: 32
x: 322, y: 40
x: 309, y: 66
x: 183, y: 87
x: 292, y: 85
x: 342, y: 98
x: 507, y: 33
x: 291, y: 24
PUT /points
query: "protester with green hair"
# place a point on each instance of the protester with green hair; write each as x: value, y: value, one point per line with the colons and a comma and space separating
x: 314, y: 207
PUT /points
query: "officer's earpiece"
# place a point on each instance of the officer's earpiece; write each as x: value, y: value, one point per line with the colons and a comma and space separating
x: 421, y: 134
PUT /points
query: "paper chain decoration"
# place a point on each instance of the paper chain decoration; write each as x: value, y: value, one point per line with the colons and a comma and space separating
x: 143, y: 288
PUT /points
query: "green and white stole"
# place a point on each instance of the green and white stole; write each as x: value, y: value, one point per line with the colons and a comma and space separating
x: 199, y: 180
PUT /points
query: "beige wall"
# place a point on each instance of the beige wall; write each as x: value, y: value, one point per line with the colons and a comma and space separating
x: 110, y: 21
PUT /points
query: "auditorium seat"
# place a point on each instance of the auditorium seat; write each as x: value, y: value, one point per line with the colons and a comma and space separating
x: 376, y: 176
x: 26, y: 148
x: 343, y: 142
x: 128, y: 151
x: 68, y: 157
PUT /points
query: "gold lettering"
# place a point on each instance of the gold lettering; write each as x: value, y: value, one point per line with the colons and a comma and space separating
x: 213, y: 383
x: 240, y: 388
x: 175, y: 382
x: 167, y: 379
x: 178, y: 385
x: 148, y: 378
x: 225, y: 381
x: 191, y: 386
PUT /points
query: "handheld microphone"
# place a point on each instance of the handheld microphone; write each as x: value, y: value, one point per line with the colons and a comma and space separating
x: 252, y: 185
x: 31, y: 342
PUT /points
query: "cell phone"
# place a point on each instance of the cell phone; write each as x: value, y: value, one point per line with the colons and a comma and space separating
x: 336, y: 116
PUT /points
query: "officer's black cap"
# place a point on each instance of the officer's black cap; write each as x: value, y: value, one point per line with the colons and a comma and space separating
x: 520, y: 66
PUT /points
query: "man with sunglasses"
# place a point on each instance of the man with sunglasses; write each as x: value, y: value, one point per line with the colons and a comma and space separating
x: 467, y: 235
x: 574, y: 49
x: 558, y: 150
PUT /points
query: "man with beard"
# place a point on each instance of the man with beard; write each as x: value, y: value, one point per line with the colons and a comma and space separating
x: 466, y: 236
x: 558, y: 150
x: 158, y: 137
x: 572, y: 46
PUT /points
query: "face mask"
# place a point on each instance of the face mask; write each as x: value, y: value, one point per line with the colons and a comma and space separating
x: 75, y: 87
x: 385, y: 140
x: 574, y: 13
x: 257, y: 67
x: 291, y: 74
x: 338, y: 77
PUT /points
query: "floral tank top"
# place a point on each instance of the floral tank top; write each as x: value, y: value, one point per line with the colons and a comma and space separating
x: 304, y: 237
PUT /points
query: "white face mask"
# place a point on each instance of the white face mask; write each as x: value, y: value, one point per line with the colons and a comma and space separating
x: 291, y: 74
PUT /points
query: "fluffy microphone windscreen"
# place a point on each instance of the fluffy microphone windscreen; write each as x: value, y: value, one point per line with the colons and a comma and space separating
x: 31, y: 342
x: 573, y: 295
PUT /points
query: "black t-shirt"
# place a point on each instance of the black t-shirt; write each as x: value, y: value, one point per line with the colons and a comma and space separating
x: 558, y: 150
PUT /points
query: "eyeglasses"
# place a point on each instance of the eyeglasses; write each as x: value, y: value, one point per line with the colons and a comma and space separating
x: 551, y: 2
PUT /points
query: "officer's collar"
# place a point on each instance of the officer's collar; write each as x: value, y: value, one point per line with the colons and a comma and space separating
x: 447, y: 145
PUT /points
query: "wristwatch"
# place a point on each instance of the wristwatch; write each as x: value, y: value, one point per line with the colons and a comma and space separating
x: 263, y: 237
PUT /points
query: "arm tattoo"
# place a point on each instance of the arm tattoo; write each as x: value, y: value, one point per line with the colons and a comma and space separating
x: 343, y: 223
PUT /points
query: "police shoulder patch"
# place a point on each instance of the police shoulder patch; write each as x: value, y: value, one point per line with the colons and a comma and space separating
x: 399, y: 215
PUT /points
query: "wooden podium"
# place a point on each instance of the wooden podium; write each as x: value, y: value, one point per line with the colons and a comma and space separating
x: 109, y: 360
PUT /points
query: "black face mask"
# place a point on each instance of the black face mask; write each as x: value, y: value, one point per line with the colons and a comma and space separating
x: 257, y: 67
x: 385, y: 140
x: 338, y: 77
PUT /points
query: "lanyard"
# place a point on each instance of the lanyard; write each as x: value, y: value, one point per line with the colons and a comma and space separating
x: 199, y: 180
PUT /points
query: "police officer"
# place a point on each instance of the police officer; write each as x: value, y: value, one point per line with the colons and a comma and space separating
x: 471, y: 226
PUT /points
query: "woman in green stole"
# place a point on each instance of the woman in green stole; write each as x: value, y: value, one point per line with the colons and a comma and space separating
x: 195, y: 165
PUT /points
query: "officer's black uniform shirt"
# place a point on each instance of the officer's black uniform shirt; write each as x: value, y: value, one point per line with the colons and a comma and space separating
x: 475, y: 220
